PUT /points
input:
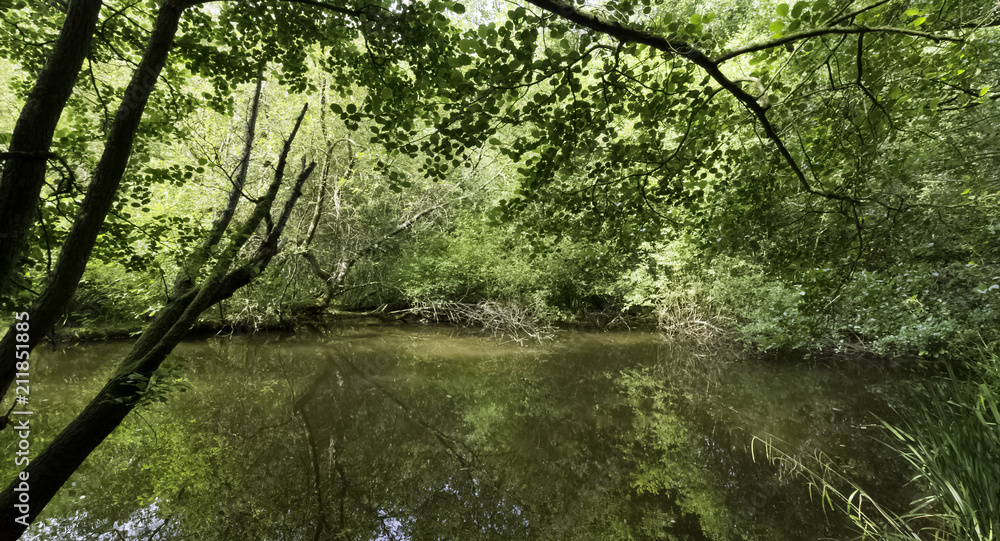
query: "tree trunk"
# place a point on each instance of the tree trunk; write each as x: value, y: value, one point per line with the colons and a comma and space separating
x: 39, y: 482
x: 24, y: 170
x: 100, y: 196
x: 222, y: 220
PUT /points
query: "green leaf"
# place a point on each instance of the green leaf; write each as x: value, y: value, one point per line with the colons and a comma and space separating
x: 696, y: 19
x: 911, y: 12
x: 776, y: 26
x: 782, y: 11
x: 797, y: 9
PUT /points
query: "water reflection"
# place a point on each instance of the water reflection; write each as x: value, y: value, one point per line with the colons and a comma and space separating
x: 426, y: 434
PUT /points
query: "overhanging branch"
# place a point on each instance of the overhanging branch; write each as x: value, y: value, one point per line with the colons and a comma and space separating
x: 828, y: 31
x: 695, y: 56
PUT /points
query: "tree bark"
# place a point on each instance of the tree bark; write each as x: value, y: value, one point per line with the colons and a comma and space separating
x: 100, y: 196
x: 44, y: 476
x: 24, y: 171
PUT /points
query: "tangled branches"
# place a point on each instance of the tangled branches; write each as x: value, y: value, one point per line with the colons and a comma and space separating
x: 689, y: 320
x: 512, y: 321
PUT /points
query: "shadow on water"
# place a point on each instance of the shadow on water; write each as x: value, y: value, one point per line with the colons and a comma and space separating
x: 435, y: 434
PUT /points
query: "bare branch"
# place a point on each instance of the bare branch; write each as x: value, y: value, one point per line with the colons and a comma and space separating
x: 221, y: 223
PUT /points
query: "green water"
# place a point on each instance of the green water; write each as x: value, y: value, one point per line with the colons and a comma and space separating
x: 427, y: 433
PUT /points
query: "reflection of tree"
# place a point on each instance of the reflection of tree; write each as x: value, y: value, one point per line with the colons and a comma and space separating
x: 668, y: 461
x: 391, y: 444
x: 826, y: 411
x: 314, y: 454
x: 392, y: 460
x: 381, y: 437
x: 579, y: 448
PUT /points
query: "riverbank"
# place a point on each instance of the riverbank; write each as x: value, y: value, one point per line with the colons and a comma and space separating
x: 510, y: 326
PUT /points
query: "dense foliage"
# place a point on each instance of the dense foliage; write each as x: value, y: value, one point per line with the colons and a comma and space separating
x: 818, y: 174
x: 527, y: 161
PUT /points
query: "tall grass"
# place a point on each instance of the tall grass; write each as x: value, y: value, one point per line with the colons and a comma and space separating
x: 954, y: 446
x: 952, y: 443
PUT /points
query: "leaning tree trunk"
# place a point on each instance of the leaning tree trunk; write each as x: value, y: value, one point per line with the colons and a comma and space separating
x: 39, y: 482
x: 24, y: 167
x: 191, y: 268
x: 100, y: 196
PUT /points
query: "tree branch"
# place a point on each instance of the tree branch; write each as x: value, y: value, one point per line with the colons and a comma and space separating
x: 322, y: 5
x: 838, y: 18
x: 827, y: 31
x: 193, y: 266
x: 101, y: 192
x: 697, y: 57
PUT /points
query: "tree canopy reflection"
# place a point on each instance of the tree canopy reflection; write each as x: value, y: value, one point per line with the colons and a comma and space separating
x: 394, y: 435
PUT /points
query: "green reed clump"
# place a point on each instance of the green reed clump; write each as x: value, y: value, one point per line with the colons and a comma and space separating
x: 954, y: 445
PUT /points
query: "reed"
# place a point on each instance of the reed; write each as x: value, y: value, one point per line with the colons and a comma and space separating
x: 952, y: 443
x: 954, y: 446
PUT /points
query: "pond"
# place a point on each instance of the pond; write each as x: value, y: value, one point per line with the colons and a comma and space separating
x: 414, y: 433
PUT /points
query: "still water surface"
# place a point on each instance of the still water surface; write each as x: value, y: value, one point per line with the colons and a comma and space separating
x: 429, y: 433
